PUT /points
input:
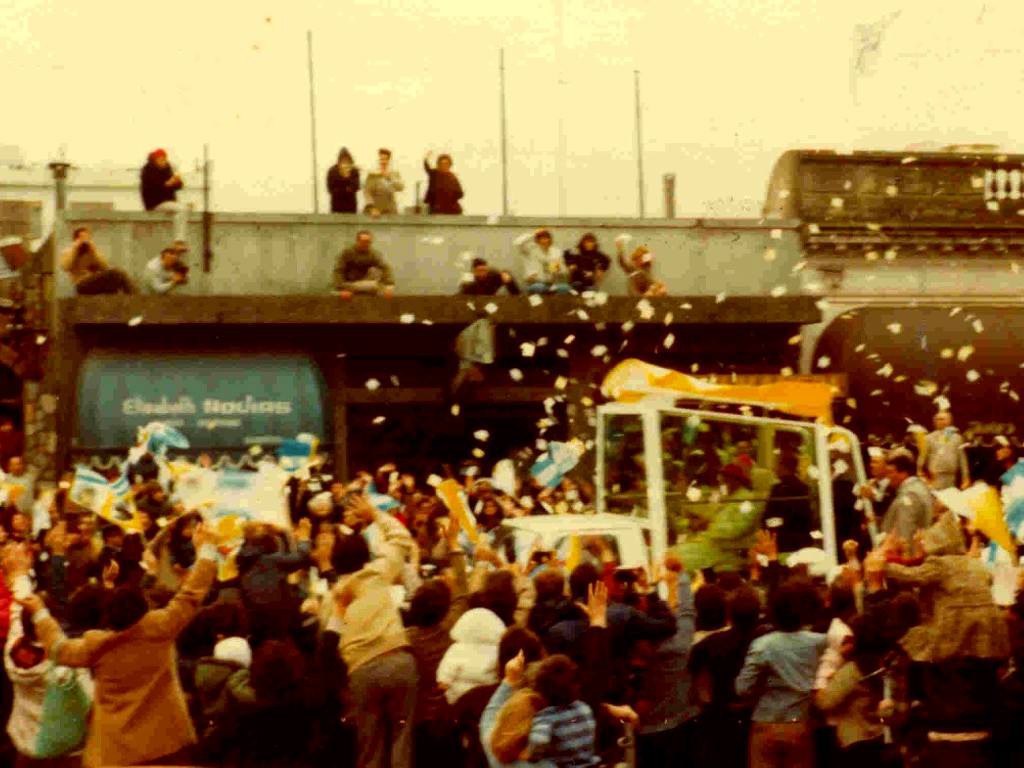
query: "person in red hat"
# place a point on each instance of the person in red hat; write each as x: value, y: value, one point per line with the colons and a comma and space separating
x: 159, y: 187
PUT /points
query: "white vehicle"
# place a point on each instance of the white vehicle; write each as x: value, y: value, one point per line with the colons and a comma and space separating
x: 661, y: 464
x: 518, y: 537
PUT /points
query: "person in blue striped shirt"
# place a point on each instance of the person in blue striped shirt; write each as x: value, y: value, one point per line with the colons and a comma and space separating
x: 565, y: 730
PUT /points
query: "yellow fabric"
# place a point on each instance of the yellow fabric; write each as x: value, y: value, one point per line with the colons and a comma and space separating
x: 984, y: 501
x: 633, y: 380
x: 575, y: 554
x: 448, y: 492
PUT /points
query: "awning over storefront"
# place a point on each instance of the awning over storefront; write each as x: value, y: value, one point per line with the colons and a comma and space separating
x: 220, y: 402
x: 900, y: 360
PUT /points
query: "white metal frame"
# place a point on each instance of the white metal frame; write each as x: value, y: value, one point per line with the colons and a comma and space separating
x: 650, y: 415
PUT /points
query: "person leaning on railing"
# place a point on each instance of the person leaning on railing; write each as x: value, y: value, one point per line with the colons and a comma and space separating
x: 89, y: 271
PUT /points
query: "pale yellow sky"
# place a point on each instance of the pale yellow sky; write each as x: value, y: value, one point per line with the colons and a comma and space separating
x: 727, y: 86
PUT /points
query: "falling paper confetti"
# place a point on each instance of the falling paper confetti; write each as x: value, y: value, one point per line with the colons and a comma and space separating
x: 895, y: 328
x: 645, y: 309
x: 926, y: 388
x: 478, y: 453
x: 255, y: 450
x: 871, y: 255
x: 964, y: 353
x: 40, y: 339
x: 891, y: 190
x: 407, y: 318
x: 794, y: 340
x: 433, y: 481
x: 787, y: 371
x: 992, y: 205
x: 890, y: 255
x: 799, y: 266
x: 978, y: 326
x: 839, y: 466
x: 599, y: 350
x: 720, y: 298
x: 746, y: 507
x: 582, y: 314
x: 379, y: 420
x: 394, y: 381
x: 137, y: 320
x: 628, y: 326
x: 778, y: 290
x: 886, y: 370
x: 813, y: 229
x: 527, y: 349
x: 770, y: 255
x: 491, y: 308
x: 822, y: 304
x: 456, y: 410
x: 563, y: 353
x: 561, y: 382
x: 973, y: 375
x: 600, y: 299
x: 482, y: 435
x: 695, y: 367
x: 516, y: 374
x: 535, y: 300
x: 824, y: 361
x: 942, y: 403
x: 669, y: 341
x: 851, y: 402
x: 837, y: 202
x: 372, y: 384
x: 693, y: 494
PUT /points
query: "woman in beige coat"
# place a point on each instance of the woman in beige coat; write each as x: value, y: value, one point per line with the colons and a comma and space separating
x: 139, y: 712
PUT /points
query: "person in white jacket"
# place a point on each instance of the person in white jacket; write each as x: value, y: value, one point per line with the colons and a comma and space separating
x: 544, y: 268
x: 27, y: 668
x: 472, y: 660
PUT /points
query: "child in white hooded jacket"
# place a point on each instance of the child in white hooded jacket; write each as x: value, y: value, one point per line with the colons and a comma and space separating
x: 472, y: 660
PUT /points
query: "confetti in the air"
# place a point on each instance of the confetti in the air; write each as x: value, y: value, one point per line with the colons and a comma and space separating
x: 407, y: 318
x: 433, y: 481
x: 669, y: 341
x: 599, y: 350
x: 516, y: 374
x: 491, y: 308
x: 787, y: 371
x: 871, y: 255
x: 527, y: 349
x: 776, y: 234
x: 794, y: 340
x: 482, y: 435
x: 895, y: 328
x: 255, y: 450
x: 372, y: 384
x: 378, y: 420
x: 973, y: 375
x: 535, y: 300
x: 992, y: 205
x: 645, y: 309
x: 693, y: 494
x: 456, y: 409
x: 908, y: 160
x: 886, y: 370
x: 40, y: 339
x: 669, y: 317
x: 926, y: 388
x: 561, y: 382
x: 779, y: 290
x: 978, y: 326
x: 813, y: 229
x: 770, y: 255
x: 890, y: 254
x: 964, y: 353
x: 394, y: 381
x: 837, y: 202
x: 628, y: 326
x: 824, y: 361
x: 891, y: 190
x: 478, y: 453
x: 746, y: 507
x: 720, y: 298
x: 947, y: 353
x: 582, y: 315
x: 851, y: 402
x: 137, y: 320
x: 822, y: 304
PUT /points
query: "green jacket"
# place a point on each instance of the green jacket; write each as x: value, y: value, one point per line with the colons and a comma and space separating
x: 731, y: 532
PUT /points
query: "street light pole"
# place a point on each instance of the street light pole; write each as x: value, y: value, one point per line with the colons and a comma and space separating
x: 312, y: 119
x: 639, y: 144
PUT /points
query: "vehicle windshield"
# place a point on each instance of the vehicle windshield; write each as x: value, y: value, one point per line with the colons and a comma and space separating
x: 725, y: 478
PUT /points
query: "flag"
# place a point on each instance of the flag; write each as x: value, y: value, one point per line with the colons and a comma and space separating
x: 559, y: 459
x: 1013, y: 498
x: 575, y: 553
x: 449, y: 492
x: 111, y: 501
x: 296, y: 456
x: 983, y: 500
x: 155, y: 438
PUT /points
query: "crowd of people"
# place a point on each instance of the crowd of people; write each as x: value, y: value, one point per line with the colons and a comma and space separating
x: 381, y: 629
x: 544, y: 268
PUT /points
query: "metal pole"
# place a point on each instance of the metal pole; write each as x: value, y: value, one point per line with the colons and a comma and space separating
x: 207, y: 215
x: 639, y: 145
x: 504, y: 138
x: 312, y: 119
x: 669, y: 183
x: 560, y: 95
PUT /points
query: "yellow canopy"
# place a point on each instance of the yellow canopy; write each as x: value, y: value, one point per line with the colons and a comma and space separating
x: 633, y: 380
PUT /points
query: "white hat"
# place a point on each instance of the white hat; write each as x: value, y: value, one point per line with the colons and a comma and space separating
x: 234, y: 649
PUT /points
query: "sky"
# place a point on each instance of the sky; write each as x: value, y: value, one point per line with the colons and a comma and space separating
x: 725, y: 88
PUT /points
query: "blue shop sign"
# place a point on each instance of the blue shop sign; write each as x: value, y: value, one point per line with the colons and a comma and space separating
x: 218, y: 401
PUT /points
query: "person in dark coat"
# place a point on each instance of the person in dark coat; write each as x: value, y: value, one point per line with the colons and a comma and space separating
x: 159, y: 183
x: 789, y: 507
x: 343, y: 183
x: 487, y: 281
x: 587, y: 264
x: 443, y: 190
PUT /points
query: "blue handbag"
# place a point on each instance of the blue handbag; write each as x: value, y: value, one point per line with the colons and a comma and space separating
x: 65, y: 716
